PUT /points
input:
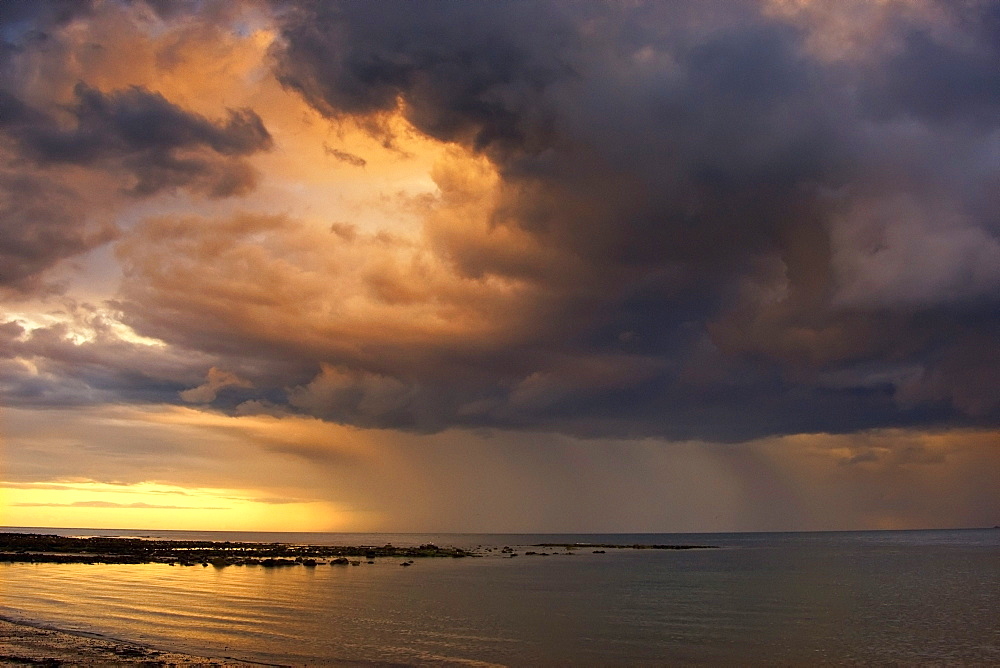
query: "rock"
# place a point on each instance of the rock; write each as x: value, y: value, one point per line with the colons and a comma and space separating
x: 340, y: 561
x: 270, y: 562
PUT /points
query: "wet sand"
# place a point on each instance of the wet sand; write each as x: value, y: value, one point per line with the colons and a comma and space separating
x: 24, y: 644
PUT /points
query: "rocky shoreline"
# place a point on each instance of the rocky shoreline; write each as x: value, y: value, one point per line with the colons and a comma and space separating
x: 44, y: 548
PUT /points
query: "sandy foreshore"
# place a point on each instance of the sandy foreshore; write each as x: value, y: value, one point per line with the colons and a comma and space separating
x: 25, y: 644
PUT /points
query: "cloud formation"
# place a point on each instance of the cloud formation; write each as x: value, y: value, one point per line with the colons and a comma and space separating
x: 744, y: 225
x: 697, y: 220
x: 66, y: 146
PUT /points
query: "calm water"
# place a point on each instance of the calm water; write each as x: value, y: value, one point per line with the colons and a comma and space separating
x: 909, y: 597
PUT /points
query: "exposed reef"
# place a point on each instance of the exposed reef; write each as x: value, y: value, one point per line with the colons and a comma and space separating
x: 42, y: 548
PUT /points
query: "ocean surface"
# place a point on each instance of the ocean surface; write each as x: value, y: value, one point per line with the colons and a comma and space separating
x: 905, y: 597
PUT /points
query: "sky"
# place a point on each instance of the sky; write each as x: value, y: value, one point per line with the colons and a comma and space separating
x: 500, y: 267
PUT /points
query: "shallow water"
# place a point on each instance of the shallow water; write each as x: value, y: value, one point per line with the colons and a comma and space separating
x: 865, y: 597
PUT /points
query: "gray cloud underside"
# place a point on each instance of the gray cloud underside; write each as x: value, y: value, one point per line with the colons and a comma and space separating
x: 766, y: 239
x: 41, y: 224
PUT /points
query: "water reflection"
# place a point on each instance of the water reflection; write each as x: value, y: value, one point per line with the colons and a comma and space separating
x: 778, y: 599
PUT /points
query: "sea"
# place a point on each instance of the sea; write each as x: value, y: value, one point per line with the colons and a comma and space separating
x: 825, y: 598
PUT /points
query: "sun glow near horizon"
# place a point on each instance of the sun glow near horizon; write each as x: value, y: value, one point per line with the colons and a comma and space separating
x: 158, y: 506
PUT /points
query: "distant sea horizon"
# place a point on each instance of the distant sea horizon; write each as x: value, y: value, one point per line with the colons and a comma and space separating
x: 167, y: 533
x: 910, y: 596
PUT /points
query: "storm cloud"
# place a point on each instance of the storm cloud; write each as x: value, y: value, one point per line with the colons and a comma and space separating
x: 748, y: 231
x: 708, y: 220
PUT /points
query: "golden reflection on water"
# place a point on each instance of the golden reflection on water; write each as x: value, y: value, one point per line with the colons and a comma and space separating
x: 259, y: 613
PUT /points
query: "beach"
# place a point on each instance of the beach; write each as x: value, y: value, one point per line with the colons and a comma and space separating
x: 23, y: 643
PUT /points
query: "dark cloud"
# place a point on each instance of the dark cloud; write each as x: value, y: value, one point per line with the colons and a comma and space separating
x: 40, y: 225
x: 463, y: 72
x: 724, y: 184
x: 942, y: 82
x: 143, y: 134
x: 32, y: 14
x: 345, y: 156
